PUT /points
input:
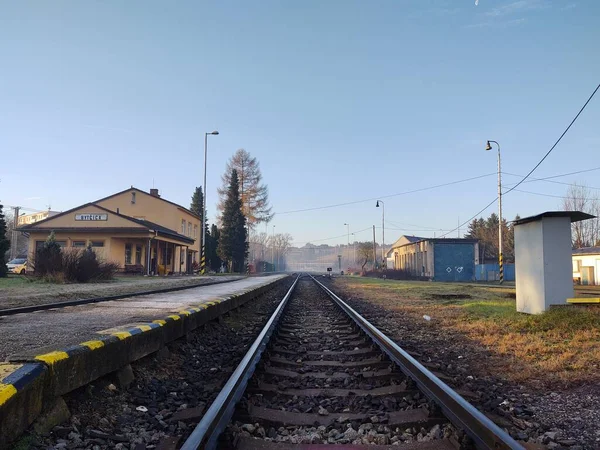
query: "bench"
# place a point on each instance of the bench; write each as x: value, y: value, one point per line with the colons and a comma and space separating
x: 133, y: 268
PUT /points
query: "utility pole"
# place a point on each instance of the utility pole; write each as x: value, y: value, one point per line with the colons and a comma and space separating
x: 500, y: 257
x: 273, y: 248
x: 348, y: 245
x: 14, y: 248
x: 374, y: 250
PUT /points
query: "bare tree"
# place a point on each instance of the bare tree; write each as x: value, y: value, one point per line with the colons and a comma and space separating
x: 253, y: 192
x: 365, y: 253
x: 259, y: 246
x: 585, y: 233
x: 281, y: 245
x: 21, y: 240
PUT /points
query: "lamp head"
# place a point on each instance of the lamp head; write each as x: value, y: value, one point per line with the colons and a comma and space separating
x: 377, y: 205
x: 214, y: 133
x: 488, y: 146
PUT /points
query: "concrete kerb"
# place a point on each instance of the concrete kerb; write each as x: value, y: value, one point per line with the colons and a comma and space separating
x: 21, y: 387
x: 37, y: 380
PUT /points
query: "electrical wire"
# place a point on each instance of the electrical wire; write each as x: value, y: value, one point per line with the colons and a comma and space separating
x: 549, y: 180
x: 386, y: 196
x: 334, y: 237
x: 469, y: 220
x: 550, y: 195
x: 537, y: 165
x: 557, y: 141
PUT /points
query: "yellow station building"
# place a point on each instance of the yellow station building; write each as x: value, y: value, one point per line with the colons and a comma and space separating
x: 140, y: 231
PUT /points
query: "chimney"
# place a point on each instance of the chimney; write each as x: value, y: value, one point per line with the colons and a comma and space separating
x: 154, y: 193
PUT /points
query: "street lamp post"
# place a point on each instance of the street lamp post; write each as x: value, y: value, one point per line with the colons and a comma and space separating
x: 383, y: 262
x: 348, y: 248
x: 500, y: 258
x: 273, y: 248
x: 203, y: 253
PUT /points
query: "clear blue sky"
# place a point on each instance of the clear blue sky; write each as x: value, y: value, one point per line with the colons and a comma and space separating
x: 339, y: 100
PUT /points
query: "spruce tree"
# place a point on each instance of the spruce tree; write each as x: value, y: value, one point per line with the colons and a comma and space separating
x: 212, y: 243
x: 197, y: 205
x: 4, y: 245
x: 233, y: 247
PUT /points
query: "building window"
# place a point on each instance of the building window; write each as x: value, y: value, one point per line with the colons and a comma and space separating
x: 183, y: 226
x: 195, y: 231
x: 138, y: 254
x: 127, y: 253
x: 576, y: 265
x: 189, y: 229
x: 133, y: 198
x: 97, y: 244
x: 166, y: 256
x: 62, y: 244
x: 79, y: 244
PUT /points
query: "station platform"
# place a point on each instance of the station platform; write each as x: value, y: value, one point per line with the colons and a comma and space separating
x: 30, y: 334
x: 52, y: 352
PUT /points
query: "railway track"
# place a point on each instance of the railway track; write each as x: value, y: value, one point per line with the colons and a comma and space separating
x: 321, y: 376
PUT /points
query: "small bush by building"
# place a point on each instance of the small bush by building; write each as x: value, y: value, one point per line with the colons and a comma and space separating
x: 56, y: 265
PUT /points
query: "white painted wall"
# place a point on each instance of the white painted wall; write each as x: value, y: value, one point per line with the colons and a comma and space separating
x: 558, y: 266
x: 587, y: 261
x: 543, y: 264
x: 529, y: 264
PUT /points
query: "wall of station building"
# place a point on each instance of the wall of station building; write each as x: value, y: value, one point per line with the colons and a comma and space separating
x: 586, y: 269
x: 439, y: 261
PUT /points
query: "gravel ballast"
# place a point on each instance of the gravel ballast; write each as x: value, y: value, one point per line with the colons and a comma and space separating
x: 171, y: 388
x: 556, y: 418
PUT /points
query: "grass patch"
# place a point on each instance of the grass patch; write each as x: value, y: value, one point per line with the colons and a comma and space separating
x: 560, y: 346
x: 15, y: 281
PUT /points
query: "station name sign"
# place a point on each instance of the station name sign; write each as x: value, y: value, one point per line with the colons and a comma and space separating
x: 91, y: 217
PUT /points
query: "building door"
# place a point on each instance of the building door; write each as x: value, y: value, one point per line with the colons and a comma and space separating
x: 454, y: 262
x: 587, y: 275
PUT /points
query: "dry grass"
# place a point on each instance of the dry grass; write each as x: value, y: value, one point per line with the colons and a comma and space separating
x: 558, y: 347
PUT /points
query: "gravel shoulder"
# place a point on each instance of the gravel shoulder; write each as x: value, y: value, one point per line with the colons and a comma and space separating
x: 511, y: 367
x: 20, y: 291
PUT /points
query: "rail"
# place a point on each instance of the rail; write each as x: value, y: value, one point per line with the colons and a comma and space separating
x: 484, y: 433
x: 213, y: 423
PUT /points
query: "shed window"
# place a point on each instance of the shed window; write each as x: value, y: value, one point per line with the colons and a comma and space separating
x: 97, y: 243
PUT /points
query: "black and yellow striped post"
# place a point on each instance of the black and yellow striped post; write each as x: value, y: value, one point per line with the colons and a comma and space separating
x: 202, y: 261
x: 501, y: 270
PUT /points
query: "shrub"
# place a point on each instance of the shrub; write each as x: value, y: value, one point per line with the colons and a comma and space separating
x: 393, y: 274
x: 71, y: 265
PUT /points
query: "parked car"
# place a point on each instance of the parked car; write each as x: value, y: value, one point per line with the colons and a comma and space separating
x: 17, y: 265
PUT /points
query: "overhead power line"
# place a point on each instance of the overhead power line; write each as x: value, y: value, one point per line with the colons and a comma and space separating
x: 557, y: 141
x: 386, y: 196
x: 469, y: 220
x: 550, y: 195
x: 550, y: 180
x: 536, y: 166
